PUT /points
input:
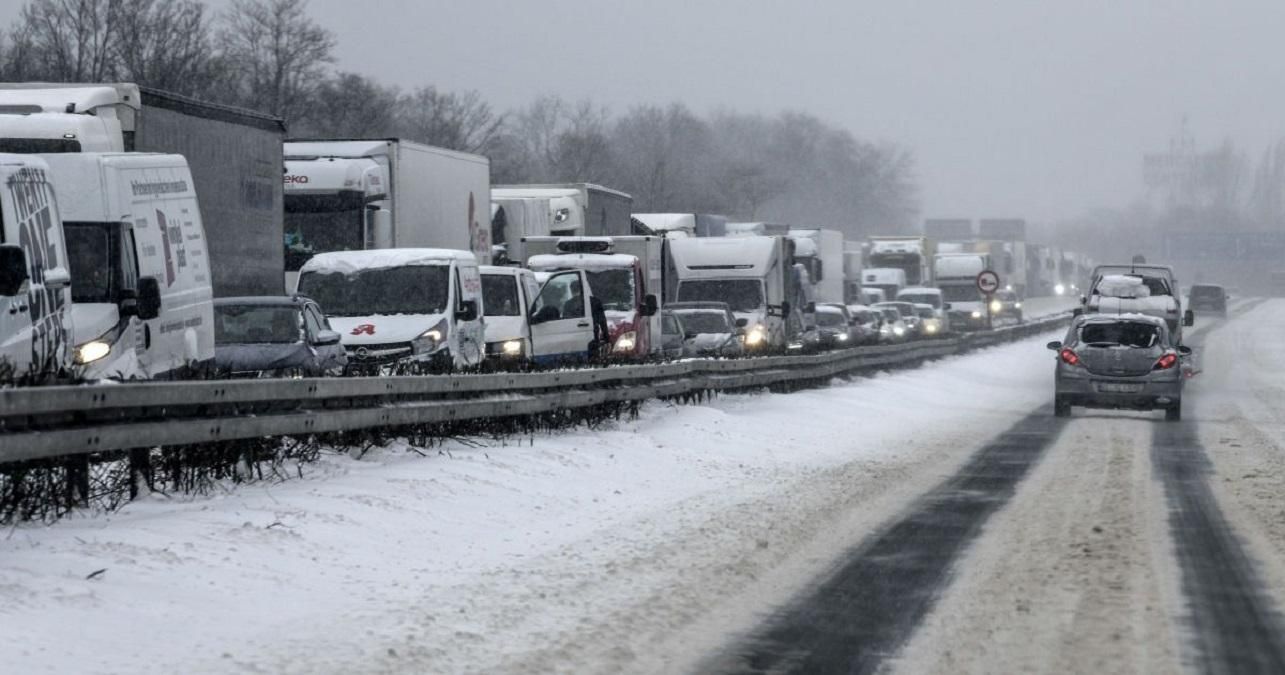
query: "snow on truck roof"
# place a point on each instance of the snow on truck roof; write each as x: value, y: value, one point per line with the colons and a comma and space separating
x: 304, y: 148
x: 54, y: 98
x: 553, y: 189
x: 347, y: 262
x: 581, y: 261
x: 919, y: 290
x: 723, y: 255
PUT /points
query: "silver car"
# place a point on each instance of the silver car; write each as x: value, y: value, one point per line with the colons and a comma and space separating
x: 1119, y: 361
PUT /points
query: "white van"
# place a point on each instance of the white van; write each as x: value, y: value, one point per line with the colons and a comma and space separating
x: 507, y: 294
x: 35, y: 285
x: 404, y: 310
x: 564, y: 331
x: 140, y: 271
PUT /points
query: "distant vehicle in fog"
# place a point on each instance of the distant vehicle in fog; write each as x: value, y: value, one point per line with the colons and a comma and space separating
x: 1119, y: 361
x: 274, y: 336
x: 934, y: 298
x: 1006, y: 304
x: 868, y: 323
x: 1210, y: 298
x: 893, y: 328
x: 909, y: 316
x: 835, y: 326
x: 1138, y: 288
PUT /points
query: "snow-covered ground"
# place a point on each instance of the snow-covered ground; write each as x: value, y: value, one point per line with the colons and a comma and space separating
x: 637, y: 546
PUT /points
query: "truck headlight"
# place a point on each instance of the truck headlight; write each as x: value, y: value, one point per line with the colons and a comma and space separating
x: 977, y: 314
x: 430, y: 340
x: 996, y: 306
x: 1017, y: 305
x: 1059, y: 289
x: 626, y: 342
x: 755, y: 336
x: 92, y: 351
x: 511, y: 348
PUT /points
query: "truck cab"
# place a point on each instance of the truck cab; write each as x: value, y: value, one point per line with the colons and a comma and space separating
x: 754, y: 275
x: 142, y: 297
x: 956, y: 275
x: 35, y: 284
x: 40, y: 117
x: 890, y: 280
x: 625, y: 273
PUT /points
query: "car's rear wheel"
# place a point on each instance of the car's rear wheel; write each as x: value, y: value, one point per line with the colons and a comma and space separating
x: 1061, y: 407
x: 1174, y: 412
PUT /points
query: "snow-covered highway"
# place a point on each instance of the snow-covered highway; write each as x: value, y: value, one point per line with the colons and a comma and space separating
x: 932, y: 520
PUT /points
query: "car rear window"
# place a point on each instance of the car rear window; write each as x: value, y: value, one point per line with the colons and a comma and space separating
x: 1122, y: 334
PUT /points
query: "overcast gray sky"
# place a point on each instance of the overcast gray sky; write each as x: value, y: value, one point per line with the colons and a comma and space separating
x: 1012, y: 107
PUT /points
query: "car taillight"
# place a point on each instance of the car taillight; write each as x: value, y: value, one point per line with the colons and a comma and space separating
x: 1069, y: 357
x: 1166, y: 362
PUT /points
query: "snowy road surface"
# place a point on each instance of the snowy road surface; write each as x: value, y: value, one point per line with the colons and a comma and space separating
x: 934, y: 520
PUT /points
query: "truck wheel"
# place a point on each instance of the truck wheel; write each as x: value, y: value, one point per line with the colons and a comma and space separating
x: 1061, y: 407
x: 1174, y: 412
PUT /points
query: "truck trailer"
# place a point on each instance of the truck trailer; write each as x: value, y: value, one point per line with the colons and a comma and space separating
x: 234, y: 156
x: 354, y: 195
x: 577, y: 209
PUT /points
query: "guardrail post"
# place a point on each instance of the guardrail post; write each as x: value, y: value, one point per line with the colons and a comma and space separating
x: 77, y: 469
x: 140, y: 467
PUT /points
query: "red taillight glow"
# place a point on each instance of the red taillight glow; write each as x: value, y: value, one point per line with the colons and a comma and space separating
x: 1069, y: 357
x: 1166, y: 362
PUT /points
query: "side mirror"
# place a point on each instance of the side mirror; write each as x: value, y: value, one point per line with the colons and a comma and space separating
x: 810, y: 308
x: 545, y: 314
x: 1184, y: 350
x: 1077, y: 311
x: 649, y: 306
x: 1055, y: 345
x: 57, y: 277
x: 149, y: 298
x: 326, y: 337
x: 1084, y: 299
x: 467, y: 311
x: 945, y: 307
x: 688, y: 336
x: 1189, y: 318
x: 741, y: 323
x: 382, y: 224
x: 13, y: 270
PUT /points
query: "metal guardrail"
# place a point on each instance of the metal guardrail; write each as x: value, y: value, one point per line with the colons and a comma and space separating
x: 53, y: 422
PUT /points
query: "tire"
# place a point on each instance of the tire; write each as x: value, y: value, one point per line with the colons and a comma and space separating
x: 1174, y: 412
x: 1061, y: 407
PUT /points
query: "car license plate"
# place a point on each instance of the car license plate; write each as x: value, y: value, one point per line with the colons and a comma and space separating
x: 1119, y: 388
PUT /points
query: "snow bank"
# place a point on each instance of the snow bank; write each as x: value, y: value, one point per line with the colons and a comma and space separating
x: 476, y: 555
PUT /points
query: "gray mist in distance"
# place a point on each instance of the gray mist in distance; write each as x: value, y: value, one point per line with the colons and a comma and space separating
x: 1039, y: 110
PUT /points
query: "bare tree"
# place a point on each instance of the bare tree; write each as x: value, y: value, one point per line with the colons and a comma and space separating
x: 64, y: 41
x: 552, y: 140
x: 164, y: 44
x: 350, y: 105
x: 663, y: 155
x: 277, y: 54
x: 446, y: 119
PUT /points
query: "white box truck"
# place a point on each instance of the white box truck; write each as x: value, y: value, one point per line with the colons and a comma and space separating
x: 674, y: 225
x: 355, y: 195
x: 576, y: 209
x: 821, y: 253
x: 957, y: 278
x: 234, y: 156
x: 513, y: 218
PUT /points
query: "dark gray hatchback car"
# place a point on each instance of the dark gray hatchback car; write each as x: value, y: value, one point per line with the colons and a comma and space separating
x: 1121, y: 361
x: 274, y: 336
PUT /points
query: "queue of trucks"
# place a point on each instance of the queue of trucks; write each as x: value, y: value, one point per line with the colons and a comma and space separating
x: 126, y: 211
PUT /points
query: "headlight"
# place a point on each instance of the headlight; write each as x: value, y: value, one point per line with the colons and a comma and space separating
x: 511, y: 348
x: 843, y: 337
x: 430, y: 340
x: 561, y: 215
x: 996, y: 306
x: 755, y: 336
x: 1059, y: 289
x: 898, y: 330
x: 1017, y: 305
x: 930, y: 327
x: 626, y: 342
x: 92, y: 351
x: 977, y: 314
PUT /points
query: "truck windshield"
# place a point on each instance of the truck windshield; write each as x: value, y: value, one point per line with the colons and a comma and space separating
x: 613, y: 288
x: 322, y: 223
x: 960, y: 294
x: 94, y: 259
x: 742, y: 295
x: 416, y: 289
x: 922, y: 298
x: 704, y: 321
x: 500, y: 295
x: 830, y: 319
x: 25, y: 146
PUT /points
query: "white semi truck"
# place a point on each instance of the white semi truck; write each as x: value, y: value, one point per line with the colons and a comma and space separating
x: 912, y: 255
x: 234, y: 156
x: 956, y: 275
x: 354, y: 195
x: 575, y: 209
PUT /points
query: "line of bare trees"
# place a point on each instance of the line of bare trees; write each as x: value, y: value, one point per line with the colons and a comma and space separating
x: 272, y: 56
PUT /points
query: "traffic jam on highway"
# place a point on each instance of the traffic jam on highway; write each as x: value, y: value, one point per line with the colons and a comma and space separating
x: 283, y: 404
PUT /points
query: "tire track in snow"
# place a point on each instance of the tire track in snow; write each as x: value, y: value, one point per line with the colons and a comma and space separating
x: 867, y: 609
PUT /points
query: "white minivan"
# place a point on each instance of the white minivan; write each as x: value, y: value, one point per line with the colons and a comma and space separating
x: 401, y: 310
x: 564, y: 331
x: 35, y: 285
x: 142, y: 302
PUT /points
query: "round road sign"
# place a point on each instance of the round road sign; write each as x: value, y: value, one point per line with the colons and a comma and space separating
x: 988, y: 282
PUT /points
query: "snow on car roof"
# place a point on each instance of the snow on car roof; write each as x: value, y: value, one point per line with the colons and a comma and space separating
x: 1122, y: 286
x: 347, y: 262
x: 1118, y: 318
x: 829, y: 309
x: 282, y: 300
